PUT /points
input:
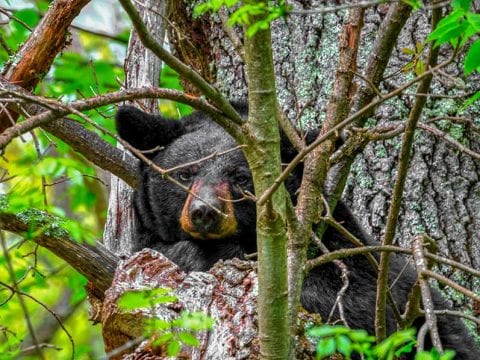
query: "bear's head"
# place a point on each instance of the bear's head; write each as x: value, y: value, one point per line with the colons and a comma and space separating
x: 201, y: 157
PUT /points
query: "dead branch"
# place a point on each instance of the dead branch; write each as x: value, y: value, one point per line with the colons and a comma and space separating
x: 227, y: 293
x: 449, y: 140
x: 428, y: 306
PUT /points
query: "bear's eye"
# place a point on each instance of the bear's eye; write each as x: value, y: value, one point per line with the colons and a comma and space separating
x: 241, y: 179
x: 185, y: 176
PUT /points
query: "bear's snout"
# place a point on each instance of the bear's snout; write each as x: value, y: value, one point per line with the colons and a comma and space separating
x: 208, y: 211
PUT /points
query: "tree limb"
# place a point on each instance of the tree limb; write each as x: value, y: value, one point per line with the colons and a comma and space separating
x: 190, y: 74
x: 397, y: 196
x: 37, y: 54
x: 96, y: 263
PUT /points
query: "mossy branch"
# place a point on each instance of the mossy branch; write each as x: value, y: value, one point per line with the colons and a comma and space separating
x: 95, y: 262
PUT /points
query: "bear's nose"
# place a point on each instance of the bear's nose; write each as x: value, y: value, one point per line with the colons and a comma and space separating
x: 203, y: 216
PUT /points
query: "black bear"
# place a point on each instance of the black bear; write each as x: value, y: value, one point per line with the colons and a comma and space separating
x: 193, y: 231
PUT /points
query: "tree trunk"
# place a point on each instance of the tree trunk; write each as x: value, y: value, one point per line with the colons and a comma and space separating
x: 142, y: 68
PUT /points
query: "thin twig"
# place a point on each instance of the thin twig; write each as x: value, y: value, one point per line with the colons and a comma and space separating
x: 205, y: 158
x: 427, y: 300
x: 329, y: 9
x: 232, y: 35
x: 345, y: 283
x: 14, y: 18
x: 447, y: 312
x: 440, y: 134
x: 21, y: 293
x: 334, y: 130
x: 58, y: 109
x: 397, y: 194
x: 42, y: 177
x: 446, y: 281
x: 14, y: 289
x: 128, y: 345
x: 370, y: 83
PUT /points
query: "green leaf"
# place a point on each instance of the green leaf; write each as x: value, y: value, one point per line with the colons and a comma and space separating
x: 452, y: 34
x: 448, y: 355
x: 423, y: 355
x: 405, y: 349
x: 133, y: 300
x: 470, y: 101
x: 163, y: 339
x: 344, y: 345
x: 194, y: 321
x: 419, y: 47
x: 361, y: 336
x: 327, y: 330
x: 474, y: 21
x: 173, y: 348
x: 472, y: 60
x: 419, y: 67
x: 464, y: 4
x: 325, y: 347
x: 153, y: 325
x: 188, y: 339
x: 28, y: 16
x: 446, y: 24
x: 415, y: 4
x: 408, y: 51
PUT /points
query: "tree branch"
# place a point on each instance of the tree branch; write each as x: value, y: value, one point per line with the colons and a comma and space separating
x: 96, y: 263
x: 58, y: 109
x: 208, y: 90
x: 402, y: 170
x: 427, y: 300
x: 37, y: 54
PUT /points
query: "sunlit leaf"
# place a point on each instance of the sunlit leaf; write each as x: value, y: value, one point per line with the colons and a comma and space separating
x: 188, y: 339
x: 472, y: 60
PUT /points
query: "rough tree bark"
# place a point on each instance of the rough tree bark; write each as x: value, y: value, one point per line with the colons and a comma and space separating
x: 441, y: 195
x: 142, y: 68
x: 442, y: 189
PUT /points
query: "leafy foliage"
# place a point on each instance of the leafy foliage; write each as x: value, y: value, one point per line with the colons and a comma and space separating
x: 46, y: 174
x: 170, y: 335
x: 461, y: 25
x: 340, y: 339
x: 255, y: 17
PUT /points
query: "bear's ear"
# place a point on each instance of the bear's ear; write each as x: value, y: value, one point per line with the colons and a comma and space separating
x: 146, y: 131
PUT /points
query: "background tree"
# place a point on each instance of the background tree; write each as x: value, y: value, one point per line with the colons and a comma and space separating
x: 314, y: 88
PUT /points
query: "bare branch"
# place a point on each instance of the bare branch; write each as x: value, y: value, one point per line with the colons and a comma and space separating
x: 441, y: 135
x: 329, y: 9
x: 446, y: 281
x: 58, y: 109
x: 344, y: 276
x: 427, y: 300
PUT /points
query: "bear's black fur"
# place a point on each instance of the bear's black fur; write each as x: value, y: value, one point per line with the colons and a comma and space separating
x: 194, y: 236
